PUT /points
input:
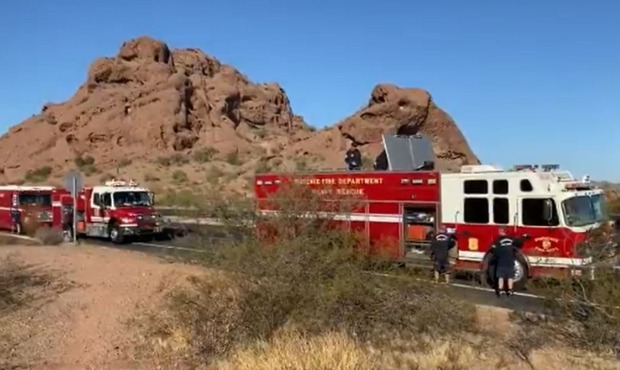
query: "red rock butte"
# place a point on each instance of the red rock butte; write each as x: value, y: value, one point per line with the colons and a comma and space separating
x: 150, y: 102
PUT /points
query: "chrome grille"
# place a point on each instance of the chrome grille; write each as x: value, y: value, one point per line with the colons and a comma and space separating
x: 45, y: 216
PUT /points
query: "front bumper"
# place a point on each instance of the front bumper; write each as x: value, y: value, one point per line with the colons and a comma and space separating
x: 589, y: 271
x: 134, y: 230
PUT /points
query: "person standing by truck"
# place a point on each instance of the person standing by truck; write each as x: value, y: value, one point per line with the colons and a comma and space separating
x: 15, y: 221
x: 353, y: 158
x: 504, y: 256
x: 441, y: 244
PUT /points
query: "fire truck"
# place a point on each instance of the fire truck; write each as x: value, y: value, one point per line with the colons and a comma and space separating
x: 27, y: 208
x: 405, y: 199
x: 118, y: 210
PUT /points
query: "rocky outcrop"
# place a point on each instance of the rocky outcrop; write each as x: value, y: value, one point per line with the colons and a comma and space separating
x: 149, y: 101
x: 392, y: 109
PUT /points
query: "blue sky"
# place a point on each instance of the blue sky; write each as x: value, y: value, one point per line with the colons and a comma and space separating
x: 527, y: 81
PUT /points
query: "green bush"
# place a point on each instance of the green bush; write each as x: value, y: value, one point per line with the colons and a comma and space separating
x: 233, y: 158
x: 179, y: 177
x: 177, y: 159
x: 204, y: 155
x: 41, y: 174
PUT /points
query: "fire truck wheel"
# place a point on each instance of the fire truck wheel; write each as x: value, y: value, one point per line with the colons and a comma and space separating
x: 521, y: 273
x: 115, y: 234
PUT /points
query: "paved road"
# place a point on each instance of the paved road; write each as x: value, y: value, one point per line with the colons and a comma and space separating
x: 186, y: 248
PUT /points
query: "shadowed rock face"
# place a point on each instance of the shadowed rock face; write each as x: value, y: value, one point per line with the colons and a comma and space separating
x: 149, y: 101
x: 409, y: 111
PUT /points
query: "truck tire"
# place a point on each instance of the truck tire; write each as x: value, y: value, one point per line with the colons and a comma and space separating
x: 115, y: 234
x: 521, y: 272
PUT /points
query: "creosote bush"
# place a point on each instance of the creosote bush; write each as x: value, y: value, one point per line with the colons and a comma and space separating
x: 587, y: 312
x: 41, y: 174
x: 308, y: 276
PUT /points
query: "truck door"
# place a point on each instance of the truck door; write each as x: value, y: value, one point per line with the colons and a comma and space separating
x: 94, y: 211
x: 538, y: 217
x: 105, y: 204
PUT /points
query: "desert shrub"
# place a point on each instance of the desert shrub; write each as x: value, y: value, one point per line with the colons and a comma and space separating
x: 614, y: 207
x: 179, y: 177
x: 177, y: 159
x: 331, y: 351
x: 82, y: 161
x: 124, y: 162
x: 262, y: 166
x: 301, y: 165
x: 41, y: 174
x: 17, y: 279
x: 233, y: 158
x: 204, y: 155
x: 48, y: 235
x: 261, y: 133
x: 309, y: 276
x: 214, y: 175
x: 151, y: 178
x: 587, y: 312
x: 86, y: 165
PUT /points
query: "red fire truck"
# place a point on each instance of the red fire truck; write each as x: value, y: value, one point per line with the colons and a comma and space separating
x: 32, y: 207
x: 117, y: 210
x: 405, y: 199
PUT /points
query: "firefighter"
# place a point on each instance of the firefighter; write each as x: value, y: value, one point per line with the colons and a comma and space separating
x: 353, y: 158
x: 15, y: 221
x: 505, y: 251
x: 441, y: 244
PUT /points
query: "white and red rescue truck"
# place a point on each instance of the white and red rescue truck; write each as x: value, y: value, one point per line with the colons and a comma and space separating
x: 400, y: 207
x: 43, y: 205
x: 117, y: 210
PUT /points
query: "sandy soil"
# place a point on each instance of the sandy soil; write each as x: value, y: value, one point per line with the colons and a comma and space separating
x: 84, y: 325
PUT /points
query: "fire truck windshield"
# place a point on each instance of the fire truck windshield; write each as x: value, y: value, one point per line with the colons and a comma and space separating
x: 584, y: 210
x: 40, y: 200
x: 131, y: 198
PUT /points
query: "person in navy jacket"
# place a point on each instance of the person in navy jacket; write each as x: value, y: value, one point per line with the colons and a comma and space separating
x: 441, y: 244
x: 505, y: 251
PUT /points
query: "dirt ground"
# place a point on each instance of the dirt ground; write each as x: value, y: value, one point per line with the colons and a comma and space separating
x: 83, y: 325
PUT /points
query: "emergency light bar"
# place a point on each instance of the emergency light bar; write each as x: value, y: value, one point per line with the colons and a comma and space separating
x: 534, y: 167
x: 521, y: 167
x: 578, y: 185
x: 119, y: 183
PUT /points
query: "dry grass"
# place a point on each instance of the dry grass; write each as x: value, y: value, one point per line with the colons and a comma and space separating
x: 293, y: 350
x: 22, y: 288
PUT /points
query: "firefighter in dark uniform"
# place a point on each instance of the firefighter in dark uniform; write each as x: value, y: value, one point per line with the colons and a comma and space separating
x: 505, y: 251
x: 353, y: 158
x: 15, y: 220
x: 441, y: 244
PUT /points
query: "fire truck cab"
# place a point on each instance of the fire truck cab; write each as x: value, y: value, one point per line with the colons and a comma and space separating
x: 117, y: 210
x: 405, y: 200
x: 549, y: 205
x: 27, y: 208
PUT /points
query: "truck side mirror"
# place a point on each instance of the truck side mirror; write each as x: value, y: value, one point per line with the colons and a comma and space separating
x: 548, y: 210
x: 152, y: 196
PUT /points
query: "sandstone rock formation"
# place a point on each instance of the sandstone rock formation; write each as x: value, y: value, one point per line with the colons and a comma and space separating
x: 149, y: 101
x: 409, y: 111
